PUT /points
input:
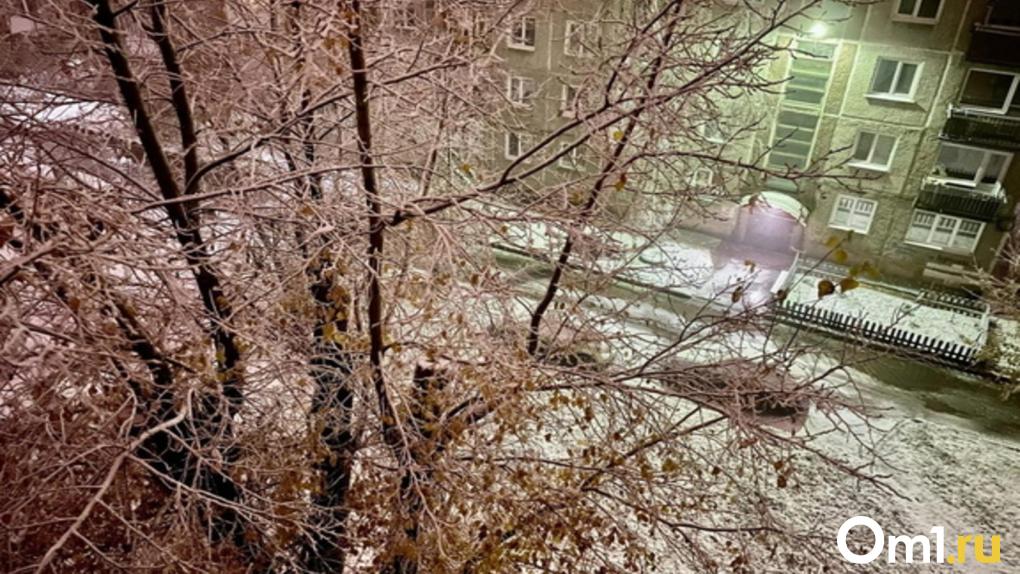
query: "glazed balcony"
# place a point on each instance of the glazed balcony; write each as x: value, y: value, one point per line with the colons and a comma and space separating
x: 973, y: 203
x: 994, y: 45
x: 982, y: 128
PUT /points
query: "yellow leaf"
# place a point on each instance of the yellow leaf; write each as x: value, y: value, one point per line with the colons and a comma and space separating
x: 737, y: 294
x: 617, y: 135
x: 839, y: 256
x: 466, y: 168
x: 825, y: 287
x: 848, y: 283
x: 832, y: 241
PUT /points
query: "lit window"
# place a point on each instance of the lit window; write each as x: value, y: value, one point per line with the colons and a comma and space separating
x: 568, y: 101
x: 943, y: 231
x: 522, y: 34
x: 991, y: 91
x: 895, y: 79
x: 918, y: 10
x: 514, y: 145
x: 853, y: 213
x: 569, y: 160
x: 873, y: 151
x: 579, y: 39
x: 971, y: 166
x: 520, y: 90
x: 702, y: 177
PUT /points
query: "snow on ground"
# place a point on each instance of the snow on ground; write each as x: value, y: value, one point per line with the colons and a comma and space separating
x: 943, y: 470
x: 944, y: 474
x: 1006, y: 345
x: 884, y: 307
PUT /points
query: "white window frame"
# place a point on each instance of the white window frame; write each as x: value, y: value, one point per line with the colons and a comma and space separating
x: 896, y: 15
x: 898, y: 97
x: 980, y: 175
x: 522, y: 142
x: 1009, y: 97
x: 582, y: 32
x: 853, y: 209
x: 568, y: 104
x: 988, y: 23
x: 702, y: 177
x: 704, y: 130
x: 405, y: 16
x: 958, y: 221
x: 570, y: 159
x: 518, y: 37
x: 869, y: 163
x: 517, y: 91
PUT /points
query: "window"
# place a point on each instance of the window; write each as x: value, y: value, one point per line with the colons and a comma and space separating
x: 514, y: 145
x: 873, y: 151
x: 405, y: 16
x: 943, y: 231
x: 853, y: 213
x: 926, y: 11
x: 1003, y: 16
x: 702, y: 177
x: 991, y: 91
x: 568, y: 101
x: 520, y: 90
x: 971, y: 166
x: 580, y: 39
x: 712, y: 132
x: 810, y: 69
x: 894, y: 79
x: 522, y: 34
x: 568, y: 160
x: 792, y: 139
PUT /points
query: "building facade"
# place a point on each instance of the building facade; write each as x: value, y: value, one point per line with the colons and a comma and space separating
x: 913, y: 104
x: 918, y: 99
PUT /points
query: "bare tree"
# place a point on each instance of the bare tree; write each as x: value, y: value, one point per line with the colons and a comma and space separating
x: 252, y: 320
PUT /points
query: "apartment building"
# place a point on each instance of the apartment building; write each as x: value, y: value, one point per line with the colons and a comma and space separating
x: 916, y: 101
x: 549, y: 53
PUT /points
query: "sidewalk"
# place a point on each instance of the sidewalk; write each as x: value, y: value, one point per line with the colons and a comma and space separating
x: 723, y: 273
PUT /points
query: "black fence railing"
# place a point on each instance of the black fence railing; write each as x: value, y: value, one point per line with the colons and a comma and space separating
x: 876, y: 333
x: 980, y: 128
x: 941, y: 198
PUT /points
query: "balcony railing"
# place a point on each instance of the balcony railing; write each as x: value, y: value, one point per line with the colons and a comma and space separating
x: 982, y: 128
x: 994, y: 45
x: 941, y: 197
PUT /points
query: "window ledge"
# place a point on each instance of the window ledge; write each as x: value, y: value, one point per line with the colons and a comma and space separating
x: 891, y: 98
x: 847, y: 228
x: 996, y: 112
x: 520, y: 47
x: 868, y: 166
x: 914, y: 20
x: 944, y: 249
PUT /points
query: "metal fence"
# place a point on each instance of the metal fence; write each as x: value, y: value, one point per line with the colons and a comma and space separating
x: 876, y: 333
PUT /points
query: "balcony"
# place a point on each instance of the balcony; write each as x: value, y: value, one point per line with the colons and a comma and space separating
x: 941, y: 197
x: 994, y: 45
x: 982, y: 129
